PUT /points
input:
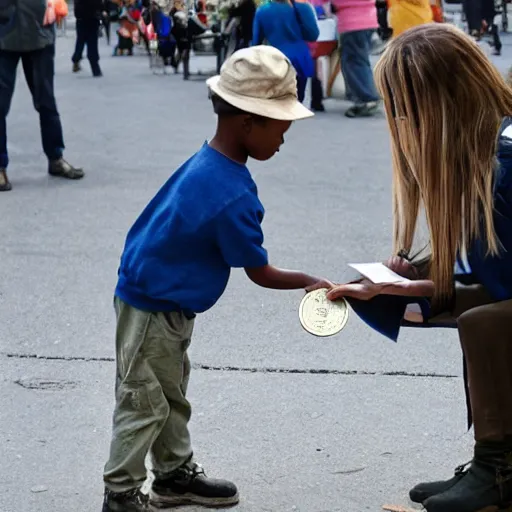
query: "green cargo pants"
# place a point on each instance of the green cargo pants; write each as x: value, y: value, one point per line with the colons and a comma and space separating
x: 151, y: 413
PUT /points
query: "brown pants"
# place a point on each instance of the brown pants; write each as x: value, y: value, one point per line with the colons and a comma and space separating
x: 485, y: 333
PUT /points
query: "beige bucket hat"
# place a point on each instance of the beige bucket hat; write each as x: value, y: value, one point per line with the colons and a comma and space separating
x: 262, y: 81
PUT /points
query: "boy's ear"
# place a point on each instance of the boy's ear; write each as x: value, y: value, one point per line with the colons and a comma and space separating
x: 247, y: 123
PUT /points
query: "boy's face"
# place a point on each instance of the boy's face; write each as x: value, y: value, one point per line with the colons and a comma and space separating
x: 263, y: 137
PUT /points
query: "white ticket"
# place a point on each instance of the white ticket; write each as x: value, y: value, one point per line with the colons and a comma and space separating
x: 378, y: 273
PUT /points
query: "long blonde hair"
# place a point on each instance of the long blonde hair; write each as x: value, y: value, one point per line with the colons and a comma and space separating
x: 444, y: 103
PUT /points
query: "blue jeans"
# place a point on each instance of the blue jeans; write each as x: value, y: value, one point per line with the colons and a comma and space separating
x: 39, y: 69
x: 87, y: 33
x: 355, y: 66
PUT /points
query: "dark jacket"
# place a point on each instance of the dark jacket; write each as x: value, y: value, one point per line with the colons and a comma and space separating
x: 89, y: 9
x: 21, y: 26
x: 246, y: 11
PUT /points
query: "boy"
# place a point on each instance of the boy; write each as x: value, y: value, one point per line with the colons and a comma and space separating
x: 176, y: 263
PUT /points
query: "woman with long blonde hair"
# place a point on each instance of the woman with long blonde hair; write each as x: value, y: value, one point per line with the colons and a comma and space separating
x: 447, y: 108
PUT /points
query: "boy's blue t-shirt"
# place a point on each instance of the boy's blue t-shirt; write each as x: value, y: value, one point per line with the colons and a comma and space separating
x: 203, y: 221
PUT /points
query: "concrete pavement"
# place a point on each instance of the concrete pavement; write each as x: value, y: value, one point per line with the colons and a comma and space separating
x: 337, y: 425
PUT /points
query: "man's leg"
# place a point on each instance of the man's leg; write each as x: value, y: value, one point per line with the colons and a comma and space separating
x: 92, y: 47
x: 39, y: 69
x: 474, y: 18
x: 178, y: 479
x: 8, y: 65
x: 79, y: 45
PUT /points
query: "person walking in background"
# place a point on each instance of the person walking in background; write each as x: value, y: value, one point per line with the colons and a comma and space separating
x: 27, y: 33
x: 245, y: 11
x: 289, y: 26
x: 480, y: 18
x: 357, y: 21
x: 405, y: 14
x: 88, y: 14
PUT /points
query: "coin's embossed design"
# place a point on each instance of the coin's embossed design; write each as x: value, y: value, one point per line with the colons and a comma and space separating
x: 320, y: 316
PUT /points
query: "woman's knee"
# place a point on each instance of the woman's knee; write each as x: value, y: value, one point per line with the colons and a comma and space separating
x: 488, y: 323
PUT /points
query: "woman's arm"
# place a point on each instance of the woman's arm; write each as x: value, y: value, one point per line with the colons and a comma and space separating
x: 366, y: 290
x: 269, y: 276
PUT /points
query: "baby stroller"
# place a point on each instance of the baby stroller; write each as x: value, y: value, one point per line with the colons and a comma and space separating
x: 162, y: 44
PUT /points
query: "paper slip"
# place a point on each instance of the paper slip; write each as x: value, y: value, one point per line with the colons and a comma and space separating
x: 378, y: 273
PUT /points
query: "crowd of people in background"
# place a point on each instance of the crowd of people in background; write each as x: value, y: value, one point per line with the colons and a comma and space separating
x: 292, y: 26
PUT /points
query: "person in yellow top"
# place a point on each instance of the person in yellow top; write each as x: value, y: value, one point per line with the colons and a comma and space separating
x: 405, y: 14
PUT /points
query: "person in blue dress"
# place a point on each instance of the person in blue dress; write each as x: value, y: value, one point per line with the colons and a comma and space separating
x: 448, y: 110
x: 289, y: 26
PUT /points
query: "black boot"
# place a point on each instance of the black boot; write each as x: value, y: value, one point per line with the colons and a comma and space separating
x: 487, y: 483
x: 317, y: 95
x: 424, y: 491
x: 188, y: 485
x: 130, y: 501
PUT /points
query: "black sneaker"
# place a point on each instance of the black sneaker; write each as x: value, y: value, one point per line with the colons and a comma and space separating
x: 63, y: 169
x: 76, y: 67
x: 363, y: 109
x: 5, y: 184
x: 189, y: 485
x: 130, y: 501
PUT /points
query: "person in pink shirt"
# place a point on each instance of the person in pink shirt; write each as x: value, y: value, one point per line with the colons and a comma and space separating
x: 357, y: 21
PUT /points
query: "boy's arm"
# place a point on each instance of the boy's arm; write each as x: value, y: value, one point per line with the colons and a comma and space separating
x: 240, y: 241
x: 269, y: 276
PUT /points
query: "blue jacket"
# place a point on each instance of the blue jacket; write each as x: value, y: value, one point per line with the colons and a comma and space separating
x: 495, y: 272
x: 21, y: 26
x: 277, y: 24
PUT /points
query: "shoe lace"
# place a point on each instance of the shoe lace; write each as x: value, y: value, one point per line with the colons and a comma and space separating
x: 139, y: 498
x: 189, y: 471
x: 459, y: 470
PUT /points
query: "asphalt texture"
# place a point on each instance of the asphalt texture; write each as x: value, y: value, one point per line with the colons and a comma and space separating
x: 343, y: 424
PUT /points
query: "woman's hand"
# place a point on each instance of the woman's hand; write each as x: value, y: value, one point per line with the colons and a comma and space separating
x: 402, y: 267
x: 366, y: 290
x: 362, y: 290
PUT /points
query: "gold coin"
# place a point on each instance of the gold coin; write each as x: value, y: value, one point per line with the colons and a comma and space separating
x: 320, y: 316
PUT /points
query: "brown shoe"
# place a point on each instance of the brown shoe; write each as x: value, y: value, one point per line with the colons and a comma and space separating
x: 5, y: 184
x: 63, y: 169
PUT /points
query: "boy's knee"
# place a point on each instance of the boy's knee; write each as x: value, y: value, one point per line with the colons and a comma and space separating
x: 143, y: 399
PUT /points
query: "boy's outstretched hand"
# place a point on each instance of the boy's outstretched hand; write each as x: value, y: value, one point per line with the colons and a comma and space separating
x: 364, y: 289
x: 269, y: 276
